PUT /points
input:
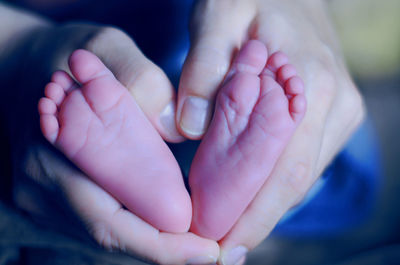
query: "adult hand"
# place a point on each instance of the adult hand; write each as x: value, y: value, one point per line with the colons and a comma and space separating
x: 302, y: 30
x: 50, y: 187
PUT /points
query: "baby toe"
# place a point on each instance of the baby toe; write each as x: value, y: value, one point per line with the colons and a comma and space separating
x: 54, y: 92
x: 276, y: 61
x: 251, y: 58
x: 64, y: 80
x: 49, y: 126
x: 294, y: 86
x: 286, y: 72
x: 297, y: 107
x: 47, y: 106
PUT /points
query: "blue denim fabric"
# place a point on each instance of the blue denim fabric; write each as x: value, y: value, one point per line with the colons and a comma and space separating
x: 344, y: 196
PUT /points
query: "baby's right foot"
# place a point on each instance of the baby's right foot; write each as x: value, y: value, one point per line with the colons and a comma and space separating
x: 257, y: 111
x: 100, y: 128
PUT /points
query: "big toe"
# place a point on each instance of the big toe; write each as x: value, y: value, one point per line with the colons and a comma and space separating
x: 251, y: 59
x: 146, y: 82
x: 99, y: 86
x: 85, y: 66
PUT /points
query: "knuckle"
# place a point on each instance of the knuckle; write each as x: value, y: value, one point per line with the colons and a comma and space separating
x: 114, y: 32
x: 258, y: 231
x: 353, y: 103
x: 264, y: 225
x: 104, y: 236
x: 210, y: 61
x: 161, y: 253
x: 323, y: 82
x: 150, y: 70
x: 263, y: 220
x: 298, y: 179
x: 204, y: 71
x: 147, y: 74
x: 104, y: 35
x: 145, y: 80
x: 321, y: 69
x: 109, y: 31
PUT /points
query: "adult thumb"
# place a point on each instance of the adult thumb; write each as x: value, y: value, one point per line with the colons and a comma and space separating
x: 218, y: 28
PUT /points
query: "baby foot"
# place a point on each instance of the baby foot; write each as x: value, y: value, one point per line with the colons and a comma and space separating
x: 258, y: 109
x: 101, y: 129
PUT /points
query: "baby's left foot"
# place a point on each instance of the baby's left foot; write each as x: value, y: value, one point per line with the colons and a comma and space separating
x: 257, y: 111
x: 100, y: 128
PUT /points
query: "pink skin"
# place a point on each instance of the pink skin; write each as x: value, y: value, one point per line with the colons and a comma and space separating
x: 258, y: 108
x: 101, y: 129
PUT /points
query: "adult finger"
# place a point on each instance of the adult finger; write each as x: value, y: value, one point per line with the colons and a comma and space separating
x: 147, y: 83
x: 291, y: 178
x: 218, y: 29
x: 342, y: 121
x: 118, y: 229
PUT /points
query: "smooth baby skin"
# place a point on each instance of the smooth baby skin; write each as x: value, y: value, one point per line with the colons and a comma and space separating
x: 101, y: 129
x: 258, y: 108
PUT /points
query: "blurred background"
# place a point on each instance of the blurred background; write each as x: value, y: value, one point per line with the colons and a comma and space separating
x: 370, y: 34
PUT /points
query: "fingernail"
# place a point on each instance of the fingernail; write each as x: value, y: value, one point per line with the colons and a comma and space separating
x: 167, y: 119
x: 195, y: 116
x: 201, y: 260
x: 234, y: 256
